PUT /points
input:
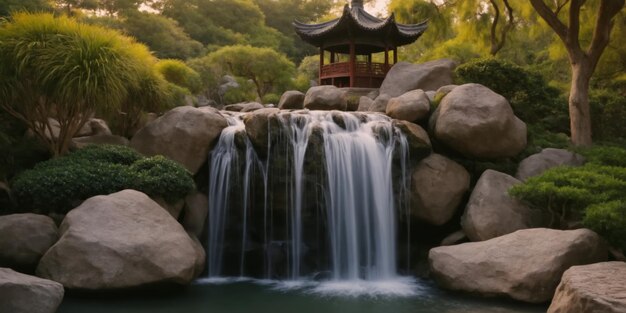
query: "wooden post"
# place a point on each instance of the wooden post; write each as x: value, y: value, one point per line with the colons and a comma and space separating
x: 369, y: 69
x: 395, y: 55
x: 386, y: 58
x: 352, y: 64
x: 321, y: 64
x: 332, y: 57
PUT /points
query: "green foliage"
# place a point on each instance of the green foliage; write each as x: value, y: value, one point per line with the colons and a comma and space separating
x: 608, y: 109
x: 8, y: 6
x: 179, y: 74
x: 245, y: 93
x: 57, y: 67
x: 268, y: 70
x: 61, y: 184
x: 594, y: 193
x: 271, y: 98
x: 609, y: 220
x: 607, y: 155
x: 163, y: 35
x: 530, y: 96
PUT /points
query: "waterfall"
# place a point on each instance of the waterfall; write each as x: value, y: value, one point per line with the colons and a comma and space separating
x: 352, y: 227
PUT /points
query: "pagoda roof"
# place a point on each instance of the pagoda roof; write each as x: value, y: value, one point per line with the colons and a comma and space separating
x: 356, y: 25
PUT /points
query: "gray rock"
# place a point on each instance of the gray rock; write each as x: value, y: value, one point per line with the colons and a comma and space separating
x: 454, y: 238
x: 196, y: 210
x: 444, y: 90
x: 354, y: 94
x: 21, y: 293
x: 380, y: 103
x: 325, y: 98
x: 437, y: 188
x: 491, y: 212
x: 244, y: 107
x: 431, y: 96
x: 526, y: 265
x: 258, y: 124
x: 365, y: 103
x: 417, y: 139
x: 184, y: 134
x: 479, y: 123
x: 81, y: 142
x: 411, y: 106
x: 24, y: 238
x: 291, y: 100
x: 595, y: 288
x: 548, y: 158
x: 123, y: 240
x: 404, y: 77
x: 174, y: 209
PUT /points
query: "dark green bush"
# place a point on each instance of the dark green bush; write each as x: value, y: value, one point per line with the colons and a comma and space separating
x: 530, y: 96
x: 608, y: 115
x: 58, y: 185
x: 594, y: 194
x: 609, y: 220
x: 159, y: 176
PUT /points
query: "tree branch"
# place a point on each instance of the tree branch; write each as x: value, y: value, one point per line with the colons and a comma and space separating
x: 551, y: 18
x: 574, y: 24
x: 494, y: 26
x: 602, y: 31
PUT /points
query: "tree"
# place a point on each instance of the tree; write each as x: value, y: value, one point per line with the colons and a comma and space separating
x: 59, y: 68
x: 583, y: 62
x: 498, y: 43
x: 178, y: 73
x: 266, y: 68
x: 8, y: 6
x: 161, y: 34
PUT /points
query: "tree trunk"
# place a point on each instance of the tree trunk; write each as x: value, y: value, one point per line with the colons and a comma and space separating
x: 579, y: 110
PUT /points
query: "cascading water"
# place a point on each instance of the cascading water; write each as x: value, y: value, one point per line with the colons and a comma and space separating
x: 352, y: 228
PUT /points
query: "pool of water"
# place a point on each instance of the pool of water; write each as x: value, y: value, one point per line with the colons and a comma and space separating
x: 274, y: 297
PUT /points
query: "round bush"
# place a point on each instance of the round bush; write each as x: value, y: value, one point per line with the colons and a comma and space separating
x: 61, y: 184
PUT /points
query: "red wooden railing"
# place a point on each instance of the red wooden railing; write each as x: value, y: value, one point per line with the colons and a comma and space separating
x: 362, y: 69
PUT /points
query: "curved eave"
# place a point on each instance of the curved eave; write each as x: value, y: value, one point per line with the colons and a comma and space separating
x: 356, y: 20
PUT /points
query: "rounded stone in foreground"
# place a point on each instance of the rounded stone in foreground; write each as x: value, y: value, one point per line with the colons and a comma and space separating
x: 526, y: 265
x: 20, y: 293
x: 24, y: 238
x: 119, y: 241
x: 595, y: 288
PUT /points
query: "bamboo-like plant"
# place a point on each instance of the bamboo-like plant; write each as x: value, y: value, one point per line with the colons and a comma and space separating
x: 56, y: 67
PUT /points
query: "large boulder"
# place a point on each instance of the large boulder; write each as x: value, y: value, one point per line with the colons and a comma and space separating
x: 526, y: 265
x: 595, y: 288
x: 437, y: 188
x: 353, y: 96
x: 123, y: 240
x: 411, y: 106
x: 259, y: 124
x: 479, y: 123
x: 291, y: 100
x: 491, y: 212
x: 325, y: 98
x: 404, y: 77
x: 548, y: 158
x: 24, y: 238
x: 184, y: 134
x: 20, y: 293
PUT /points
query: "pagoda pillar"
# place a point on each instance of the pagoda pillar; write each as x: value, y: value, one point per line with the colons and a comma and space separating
x: 395, y: 55
x: 321, y: 65
x: 352, y: 64
x: 386, y: 57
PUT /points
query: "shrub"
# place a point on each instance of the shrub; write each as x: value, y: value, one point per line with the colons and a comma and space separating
x: 607, y: 155
x: 609, y: 220
x: 57, y: 67
x: 530, y: 96
x: 594, y: 194
x: 608, y: 115
x: 271, y: 98
x: 59, y: 185
x: 179, y: 74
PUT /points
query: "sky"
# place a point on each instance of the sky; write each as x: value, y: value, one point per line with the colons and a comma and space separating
x: 377, y: 7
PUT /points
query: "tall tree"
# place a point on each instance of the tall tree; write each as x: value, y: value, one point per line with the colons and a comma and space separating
x: 583, y: 62
x: 498, y: 43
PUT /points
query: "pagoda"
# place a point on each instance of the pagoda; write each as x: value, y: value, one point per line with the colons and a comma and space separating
x: 351, y: 40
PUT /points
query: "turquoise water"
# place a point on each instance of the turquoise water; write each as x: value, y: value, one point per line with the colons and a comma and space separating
x: 243, y: 297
